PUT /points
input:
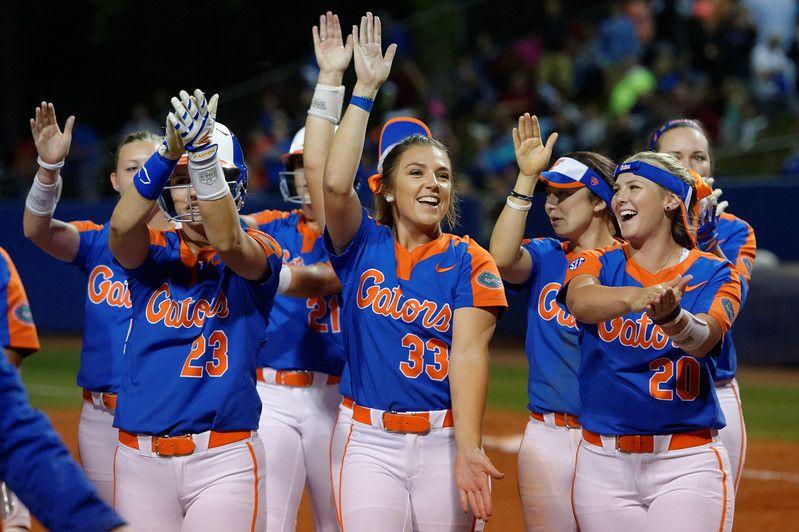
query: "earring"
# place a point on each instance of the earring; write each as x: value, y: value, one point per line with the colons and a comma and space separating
x: 390, y: 198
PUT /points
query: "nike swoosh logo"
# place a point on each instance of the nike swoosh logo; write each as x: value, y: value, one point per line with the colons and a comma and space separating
x: 439, y: 269
x: 147, y: 174
x: 689, y: 288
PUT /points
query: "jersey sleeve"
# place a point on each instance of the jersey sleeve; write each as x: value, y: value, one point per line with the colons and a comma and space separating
x: 89, y: 232
x: 346, y: 262
x: 721, y: 296
x: 266, y: 218
x: 266, y: 287
x: 740, y: 245
x: 38, y: 468
x: 585, y: 263
x: 531, y: 246
x: 479, y: 284
x: 17, y: 330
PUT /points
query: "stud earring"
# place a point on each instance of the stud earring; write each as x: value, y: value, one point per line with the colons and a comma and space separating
x: 390, y: 198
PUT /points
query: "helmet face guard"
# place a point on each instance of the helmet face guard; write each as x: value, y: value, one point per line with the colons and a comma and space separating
x: 291, y: 189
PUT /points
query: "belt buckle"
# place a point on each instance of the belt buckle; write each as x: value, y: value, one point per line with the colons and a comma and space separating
x: 175, y: 450
x: 310, y: 375
x: 383, y: 419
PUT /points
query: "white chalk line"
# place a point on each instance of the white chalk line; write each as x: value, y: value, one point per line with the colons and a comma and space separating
x: 510, y: 445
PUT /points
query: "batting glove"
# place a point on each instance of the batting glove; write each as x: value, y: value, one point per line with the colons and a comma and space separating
x: 707, y: 235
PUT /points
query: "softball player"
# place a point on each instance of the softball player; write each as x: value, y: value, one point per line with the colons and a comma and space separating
x: 107, y: 310
x: 188, y: 454
x: 420, y: 307
x: 652, y: 314
x: 18, y: 339
x: 578, y: 196
x: 718, y: 230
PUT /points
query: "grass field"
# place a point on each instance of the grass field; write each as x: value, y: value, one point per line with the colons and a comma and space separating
x: 770, y: 396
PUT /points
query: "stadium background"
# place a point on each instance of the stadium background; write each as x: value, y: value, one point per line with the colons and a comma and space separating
x: 603, y: 74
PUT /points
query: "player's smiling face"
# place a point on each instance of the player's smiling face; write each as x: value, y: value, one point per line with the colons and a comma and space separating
x: 689, y: 146
x: 570, y: 210
x: 640, y: 208
x: 132, y: 157
x: 422, y: 187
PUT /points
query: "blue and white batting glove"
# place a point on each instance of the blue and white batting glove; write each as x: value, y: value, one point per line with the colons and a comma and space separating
x: 707, y: 235
x: 194, y: 122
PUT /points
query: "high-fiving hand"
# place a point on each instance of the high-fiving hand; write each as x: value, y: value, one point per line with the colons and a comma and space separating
x: 371, y: 66
x: 51, y: 143
x: 472, y: 471
x: 532, y: 155
x: 332, y: 54
x: 665, y: 297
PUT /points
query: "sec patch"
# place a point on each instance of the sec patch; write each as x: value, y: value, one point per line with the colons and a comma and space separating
x: 489, y: 280
x: 22, y: 312
x: 576, y: 263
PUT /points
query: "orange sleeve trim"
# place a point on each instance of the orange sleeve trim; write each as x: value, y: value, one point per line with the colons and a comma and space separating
x: 86, y: 225
x: 157, y: 238
x: 586, y: 263
x: 747, y: 254
x: 269, y: 244
x: 22, y: 333
x: 487, y: 287
x: 264, y: 217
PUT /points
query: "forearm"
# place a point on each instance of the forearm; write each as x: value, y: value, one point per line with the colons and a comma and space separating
x: 57, y: 238
x: 312, y: 281
x: 222, y: 225
x: 696, y: 334
x: 596, y: 303
x: 128, y: 237
x: 468, y: 381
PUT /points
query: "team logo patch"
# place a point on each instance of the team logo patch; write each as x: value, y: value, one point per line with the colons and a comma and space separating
x: 594, y: 181
x: 23, y: 313
x: 576, y: 263
x: 489, y: 280
x: 726, y: 304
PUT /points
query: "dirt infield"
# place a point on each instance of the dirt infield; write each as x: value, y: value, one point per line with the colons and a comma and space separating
x: 766, y: 500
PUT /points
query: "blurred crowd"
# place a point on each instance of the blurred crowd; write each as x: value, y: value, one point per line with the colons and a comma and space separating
x: 604, y: 78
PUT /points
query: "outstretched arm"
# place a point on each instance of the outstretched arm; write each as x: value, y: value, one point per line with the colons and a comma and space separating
x: 309, y: 281
x: 532, y: 156
x: 55, y: 237
x: 332, y: 57
x: 342, y: 208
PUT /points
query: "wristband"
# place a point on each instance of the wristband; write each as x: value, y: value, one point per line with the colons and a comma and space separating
x: 151, y: 178
x: 693, y: 335
x: 42, y: 199
x: 48, y: 166
x: 521, y: 196
x: 673, y: 315
x: 206, y: 174
x: 362, y: 102
x: 523, y: 208
x: 284, y: 281
x: 327, y: 102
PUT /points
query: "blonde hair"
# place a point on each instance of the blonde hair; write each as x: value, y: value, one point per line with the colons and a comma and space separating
x: 679, y: 232
x: 383, y: 211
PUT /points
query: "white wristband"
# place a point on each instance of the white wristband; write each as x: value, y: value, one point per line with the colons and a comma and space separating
x: 516, y: 206
x: 693, y: 335
x: 327, y: 102
x: 284, y: 282
x: 48, y: 166
x: 207, y: 176
x: 42, y: 199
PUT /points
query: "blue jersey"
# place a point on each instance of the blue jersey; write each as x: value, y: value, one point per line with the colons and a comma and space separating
x: 17, y: 330
x: 737, y: 242
x: 304, y: 334
x: 107, y: 311
x: 633, y: 380
x: 191, y: 354
x: 398, y: 306
x: 551, y: 335
x: 38, y: 468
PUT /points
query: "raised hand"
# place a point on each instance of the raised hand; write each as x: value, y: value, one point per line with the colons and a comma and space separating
x: 532, y: 155
x: 51, y: 143
x: 472, y: 471
x: 667, y: 297
x: 193, y: 119
x: 172, y: 147
x: 332, y: 54
x: 371, y: 66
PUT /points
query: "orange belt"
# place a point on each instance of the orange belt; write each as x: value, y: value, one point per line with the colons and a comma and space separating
x: 646, y: 444
x: 109, y: 399
x: 182, y: 445
x: 405, y: 422
x: 295, y: 378
x: 561, y: 419
x: 346, y: 402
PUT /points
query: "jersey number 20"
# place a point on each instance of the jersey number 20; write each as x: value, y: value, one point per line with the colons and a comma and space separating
x: 217, y: 366
x: 686, y: 384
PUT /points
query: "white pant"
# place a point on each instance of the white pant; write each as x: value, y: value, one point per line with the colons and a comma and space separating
x: 689, y: 490
x: 212, y: 490
x: 19, y: 519
x: 338, y: 441
x: 295, y: 427
x: 400, y: 482
x: 97, y: 441
x: 546, y: 469
x: 733, y: 436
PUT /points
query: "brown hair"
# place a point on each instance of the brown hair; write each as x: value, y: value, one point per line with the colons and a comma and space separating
x: 604, y: 167
x: 383, y: 211
x: 669, y: 163
x: 682, y: 123
x: 135, y: 137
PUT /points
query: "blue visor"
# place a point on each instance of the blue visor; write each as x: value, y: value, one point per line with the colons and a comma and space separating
x: 657, y: 175
x: 570, y: 173
x: 395, y: 131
